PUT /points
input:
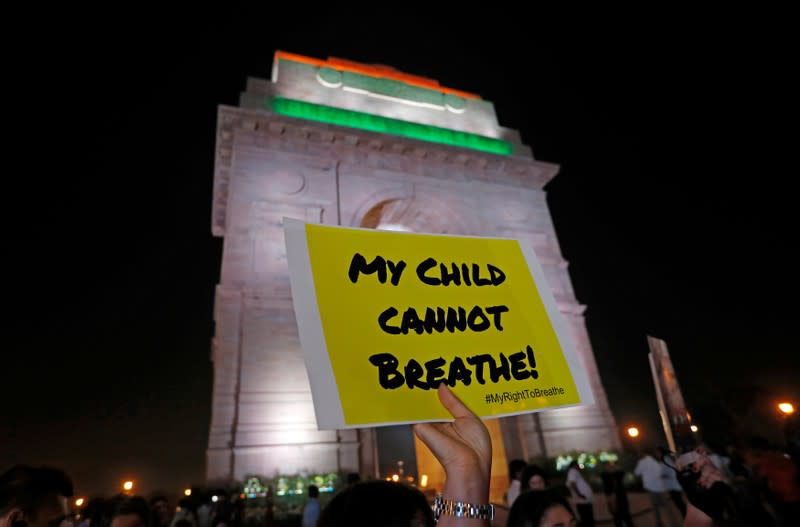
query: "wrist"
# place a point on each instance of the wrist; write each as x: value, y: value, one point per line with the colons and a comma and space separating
x: 471, y: 512
x: 472, y: 487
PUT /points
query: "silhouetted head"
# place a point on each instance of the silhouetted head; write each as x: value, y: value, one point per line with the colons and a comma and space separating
x: 34, y: 496
x: 515, y: 468
x: 540, y: 508
x: 313, y: 491
x: 532, y: 478
x: 131, y: 512
x: 161, y: 511
x: 377, y: 504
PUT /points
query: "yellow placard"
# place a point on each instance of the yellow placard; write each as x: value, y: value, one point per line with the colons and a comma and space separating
x: 384, y: 317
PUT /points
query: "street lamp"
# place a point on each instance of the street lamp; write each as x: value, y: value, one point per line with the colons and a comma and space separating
x: 693, y: 428
x: 187, y: 492
x: 633, y: 432
x: 786, y: 408
x: 79, y: 502
x: 127, y: 486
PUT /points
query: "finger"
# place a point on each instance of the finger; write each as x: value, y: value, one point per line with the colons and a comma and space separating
x: 452, y: 403
x: 434, y: 437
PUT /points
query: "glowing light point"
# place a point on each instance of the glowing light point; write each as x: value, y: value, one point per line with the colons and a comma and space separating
x: 786, y: 408
x: 127, y: 486
x: 423, y: 480
x: 187, y: 492
x: 79, y: 502
x: 694, y: 428
x: 633, y: 431
x: 392, y: 227
x: 395, y: 478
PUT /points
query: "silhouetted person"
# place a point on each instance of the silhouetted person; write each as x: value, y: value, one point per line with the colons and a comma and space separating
x: 311, y: 509
x: 96, y: 513
x: 581, y: 493
x: 613, y: 487
x: 532, y: 478
x: 652, y: 473
x: 161, y: 511
x: 377, y: 503
x: 131, y: 512
x: 185, y: 512
x: 34, y: 497
x: 540, y: 508
x: 670, y: 481
x: 515, y: 468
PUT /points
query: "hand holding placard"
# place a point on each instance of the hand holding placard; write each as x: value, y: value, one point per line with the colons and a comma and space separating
x: 463, y: 448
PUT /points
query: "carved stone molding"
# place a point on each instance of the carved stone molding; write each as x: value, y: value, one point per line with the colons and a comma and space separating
x: 296, y: 135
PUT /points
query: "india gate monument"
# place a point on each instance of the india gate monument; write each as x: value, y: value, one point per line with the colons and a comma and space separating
x: 344, y: 143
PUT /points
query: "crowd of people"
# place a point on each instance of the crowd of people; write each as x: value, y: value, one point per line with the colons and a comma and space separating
x: 759, y: 488
x: 40, y: 497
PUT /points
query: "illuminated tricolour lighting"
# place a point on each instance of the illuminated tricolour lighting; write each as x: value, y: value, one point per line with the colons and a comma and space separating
x: 408, y: 102
x: 386, y: 125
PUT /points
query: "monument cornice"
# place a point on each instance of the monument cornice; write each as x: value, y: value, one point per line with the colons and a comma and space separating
x: 352, y: 141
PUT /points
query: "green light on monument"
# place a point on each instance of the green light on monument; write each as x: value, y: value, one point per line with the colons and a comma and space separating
x: 385, y: 125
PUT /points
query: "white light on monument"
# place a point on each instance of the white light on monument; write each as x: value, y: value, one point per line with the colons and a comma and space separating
x: 392, y: 227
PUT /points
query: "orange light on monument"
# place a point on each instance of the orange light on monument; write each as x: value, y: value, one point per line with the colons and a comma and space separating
x: 786, y: 408
x: 127, y: 486
x: 633, y: 432
x: 423, y: 481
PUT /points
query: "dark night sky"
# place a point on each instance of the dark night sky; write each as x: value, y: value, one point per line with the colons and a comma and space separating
x: 673, y: 204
